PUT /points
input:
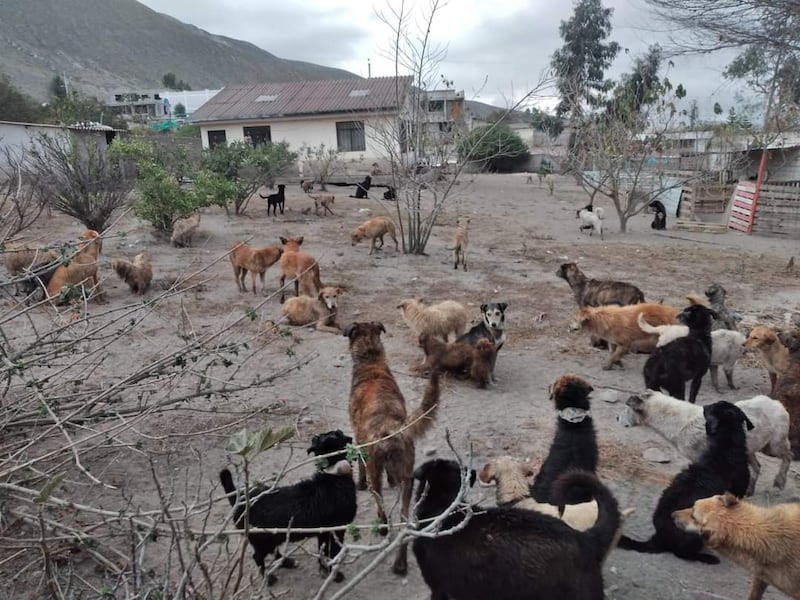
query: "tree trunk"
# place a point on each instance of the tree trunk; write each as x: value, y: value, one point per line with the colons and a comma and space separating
x: 623, y: 222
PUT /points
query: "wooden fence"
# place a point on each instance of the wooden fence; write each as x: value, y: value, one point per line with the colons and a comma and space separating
x: 704, y: 198
x: 778, y: 210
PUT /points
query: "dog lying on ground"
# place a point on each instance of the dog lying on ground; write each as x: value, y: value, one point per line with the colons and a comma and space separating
x: 437, y: 319
x: 619, y: 327
x: 137, y: 274
x: 763, y: 540
x: 659, y: 216
x: 256, y: 261
x: 683, y: 425
x: 321, y: 312
x: 460, y: 243
x: 299, y: 266
x: 378, y: 417
x: 325, y: 201
x: 574, y: 445
x: 492, y: 328
x: 362, y: 189
x: 508, y: 553
x: 716, y: 295
x: 81, y: 270
x: 592, y: 219
x: 278, y: 199
x: 462, y: 360
x: 683, y: 359
x: 774, y: 354
x: 183, y: 231
x: 722, y: 467
x: 375, y: 228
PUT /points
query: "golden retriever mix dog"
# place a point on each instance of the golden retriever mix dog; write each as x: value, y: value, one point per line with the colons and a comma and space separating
x: 321, y: 312
x: 137, y: 274
x: 437, y: 319
x: 81, y: 269
x: 774, y: 354
x: 619, y: 326
x: 460, y: 242
x: 256, y: 261
x: 380, y: 421
x: 763, y: 540
x: 299, y: 266
x: 374, y: 229
x: 183, y: 231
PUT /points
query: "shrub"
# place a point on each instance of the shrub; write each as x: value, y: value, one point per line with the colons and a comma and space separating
x: 161, y: 198
x: 495, y: 147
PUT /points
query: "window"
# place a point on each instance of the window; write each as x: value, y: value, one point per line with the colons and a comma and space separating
x: 258, y: 135
x: 350, y: 136
x: 436, y: 106
x: 216, y: 137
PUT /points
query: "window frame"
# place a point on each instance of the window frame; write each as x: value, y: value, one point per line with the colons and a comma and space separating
x: 213, y: 143
x: 350, y: 136
x: 267, y: 138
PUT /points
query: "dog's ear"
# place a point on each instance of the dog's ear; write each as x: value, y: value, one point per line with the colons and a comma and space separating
x: 472, y: 476
x: 635, y: 403
x: 727, y: 500
x: 488, y: 474
x: 320, y: 295
x: 749, y: 424
x: 379, y: 325
x: 483, y: 308
x: 503, y: 306
x: 300, y: 240
x: 283, y: 240
x: 349, y: 330
x: 314, y: 444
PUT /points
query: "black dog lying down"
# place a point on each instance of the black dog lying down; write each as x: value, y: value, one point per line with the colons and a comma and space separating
x: 660, y: 217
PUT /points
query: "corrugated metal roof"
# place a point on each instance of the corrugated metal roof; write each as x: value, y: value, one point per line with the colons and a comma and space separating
x: 296, y: 98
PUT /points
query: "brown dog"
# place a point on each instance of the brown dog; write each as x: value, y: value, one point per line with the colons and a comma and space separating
x: 183, y: 231
x: 256, y: 261
x: 137, y: 274
x: 618, y: 325
x: 300, y: 266
x: 774, y: 354
x: 321, y: 312
x: 379, y: 420
x: 81, y: 269
x: 763, y: 540
x: 787, y: 390
x: 325, y: 201
x: 455, y: 357
x: 483, y: 363
x: 461, y: 242
x: 374, y: 229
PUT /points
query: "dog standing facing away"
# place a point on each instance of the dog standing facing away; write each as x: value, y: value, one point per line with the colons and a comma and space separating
x: 321, y: 312
x: 137, y: 274
x: 460, y: 243
x: 375, y: 228
x: 722, y: 467
x: 378, y: 412
x: 574, y: 445
x: 660, y: 216
x: 256, y: 261
x: 299, y: 266
x: 763, y: 540
x: 592, y: 218
x: 362, y: 189
x: 183, y: 231
x: 278, y: 199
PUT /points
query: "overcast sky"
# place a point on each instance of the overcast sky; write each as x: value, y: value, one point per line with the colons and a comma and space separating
x: 495, y: 50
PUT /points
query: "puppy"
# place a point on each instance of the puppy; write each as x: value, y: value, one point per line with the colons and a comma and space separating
x: 763, y: 540
x: 574, y: 445
x: 375, y: 228
x: 278, y: 199
x: 137, y: 274
x: 684, y: 359
x: 722, y: 467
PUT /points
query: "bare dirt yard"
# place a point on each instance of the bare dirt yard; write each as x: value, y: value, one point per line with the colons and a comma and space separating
x: 160, y: 439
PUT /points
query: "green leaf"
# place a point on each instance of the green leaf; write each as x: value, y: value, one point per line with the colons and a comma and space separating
x: 49, y: 488
x: 238, y: 443
x: 266, y: 439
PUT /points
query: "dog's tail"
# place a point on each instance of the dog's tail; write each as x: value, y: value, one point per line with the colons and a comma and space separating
x: 421, y: 418
x: 599, y: 212
x: 263, y: 196
x: 646, y: 327
x: 317, y: 280
x: 226, y: 479
x: 609, y: 520
x: 697, y: 299
x: 652, y: 546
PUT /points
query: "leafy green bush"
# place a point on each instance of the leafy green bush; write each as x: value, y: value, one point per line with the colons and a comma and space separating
x: 161, y: 198
x: 495, y: 147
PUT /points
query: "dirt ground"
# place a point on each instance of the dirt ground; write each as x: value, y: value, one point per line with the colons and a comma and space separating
x: 519, y: 235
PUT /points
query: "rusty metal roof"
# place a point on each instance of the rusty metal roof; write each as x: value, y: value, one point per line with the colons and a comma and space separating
x: 298, y: 98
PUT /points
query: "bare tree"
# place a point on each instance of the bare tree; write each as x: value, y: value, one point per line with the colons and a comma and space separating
x: 20, y: 205
x: 322, y: 162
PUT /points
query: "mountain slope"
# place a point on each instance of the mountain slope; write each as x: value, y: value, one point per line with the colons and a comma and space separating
x: 104, y: 45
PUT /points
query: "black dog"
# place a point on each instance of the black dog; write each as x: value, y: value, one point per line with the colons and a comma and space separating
x: 685, y: 359
x: 575, y: 444
x: 721, y: 468
x: 492, y: 327
x: 328, y: 443
x: 390, y: 194
x: 275, y: 200
x: 362, y: 188
x: 660, y: 217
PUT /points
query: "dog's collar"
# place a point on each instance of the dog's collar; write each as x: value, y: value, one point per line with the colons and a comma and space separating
x: 574, y: 415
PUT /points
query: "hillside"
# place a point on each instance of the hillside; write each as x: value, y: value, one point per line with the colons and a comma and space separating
x: 104, y: 45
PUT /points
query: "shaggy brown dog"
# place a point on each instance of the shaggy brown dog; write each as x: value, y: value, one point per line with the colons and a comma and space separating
x: 598, y: 292
x: 321, y: 312
x: 455, y: 357
x: 82, y: 267
x: 137, y: 274
x: 774, y: 354
x: 483, y: 363
x: 300, y: 266
x: 618, y: 325
x: 256, y: 261
x: 763, y: 540
x: 378, y: 417
x: 374, y: 229
x: 461, y: 242
x: 183, y: 231
x: 787, y: 390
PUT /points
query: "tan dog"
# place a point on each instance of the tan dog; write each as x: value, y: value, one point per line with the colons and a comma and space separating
x: 618, y: 325
x: 374, y: 229
x: 379, y: 418
x: 22, y: 259
x: 299, y: 266
x: 763, y: 540
x: 482, y: 371
x: 436, y: 319
x: 460, y: 242
x: 774, y: 354
x: 321, y: 312
x: 81, y: 269
x: 183, y: 231
x: 256, y: 261
x: 455, y: 357
x: 325, y: 201
x: 137, y: 274
x: 787, y: 390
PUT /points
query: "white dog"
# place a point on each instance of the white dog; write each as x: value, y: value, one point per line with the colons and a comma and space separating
x: 591, y: 218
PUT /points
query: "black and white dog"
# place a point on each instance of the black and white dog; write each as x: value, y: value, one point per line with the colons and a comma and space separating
x: 492, y: 327
x: 660, y: 217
